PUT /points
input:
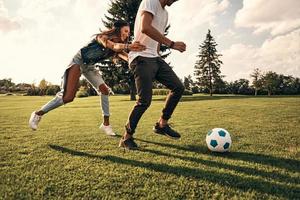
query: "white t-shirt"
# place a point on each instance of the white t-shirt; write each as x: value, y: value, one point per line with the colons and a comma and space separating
x: 160, y: 20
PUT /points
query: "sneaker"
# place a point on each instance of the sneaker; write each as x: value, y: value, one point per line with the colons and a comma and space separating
x: 34, y: 121
x: 107, y: 130
x: 110, y: 91
x: 128, y: 143
x: 167, y: 131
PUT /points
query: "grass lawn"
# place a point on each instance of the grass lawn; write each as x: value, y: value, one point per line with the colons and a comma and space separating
x: 68, y: 157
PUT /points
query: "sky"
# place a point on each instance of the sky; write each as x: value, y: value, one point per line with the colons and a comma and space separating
x: 38, y: 38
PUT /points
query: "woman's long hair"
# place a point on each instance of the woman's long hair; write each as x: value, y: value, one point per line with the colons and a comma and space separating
x: 114, y: 33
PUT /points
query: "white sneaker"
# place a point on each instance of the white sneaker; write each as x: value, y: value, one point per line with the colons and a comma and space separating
x: 34, y: 121
x: 107, y: 130
x: 110, y: 92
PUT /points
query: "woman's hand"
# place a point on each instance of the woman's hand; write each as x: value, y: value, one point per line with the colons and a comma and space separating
x: 136, y: 46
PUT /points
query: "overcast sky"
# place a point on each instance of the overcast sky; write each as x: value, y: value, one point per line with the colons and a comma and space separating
x: 38, y: 38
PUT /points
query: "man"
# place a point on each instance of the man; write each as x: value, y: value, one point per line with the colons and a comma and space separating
x: 150, y: 24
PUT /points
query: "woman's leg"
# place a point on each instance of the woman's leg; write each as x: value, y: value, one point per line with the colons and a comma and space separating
x: 104, y: 90
x: 66, y: 95
x: 95, y: 79
x: 68, y: 92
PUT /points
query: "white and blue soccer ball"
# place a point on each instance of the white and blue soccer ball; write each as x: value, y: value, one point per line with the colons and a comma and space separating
x: 218, y: 140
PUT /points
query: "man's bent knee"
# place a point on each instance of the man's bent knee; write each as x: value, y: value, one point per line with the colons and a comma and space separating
x: 179, y: 89
x: 144, y: 104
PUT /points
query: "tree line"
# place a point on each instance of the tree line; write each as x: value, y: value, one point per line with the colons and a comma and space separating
x: 209, y: 79
x: 207, y: 76
x: 263, y: 83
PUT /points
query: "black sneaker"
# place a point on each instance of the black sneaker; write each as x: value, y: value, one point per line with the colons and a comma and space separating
x: 167, y: 131
x: 128, y: 143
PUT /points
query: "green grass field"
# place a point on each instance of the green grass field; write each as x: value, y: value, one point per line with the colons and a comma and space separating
x: 68, y: 157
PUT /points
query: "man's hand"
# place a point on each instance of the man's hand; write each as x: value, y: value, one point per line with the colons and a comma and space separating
x: 179, y: 46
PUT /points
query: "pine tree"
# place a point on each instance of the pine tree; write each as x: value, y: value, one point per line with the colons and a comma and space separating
x: 207, y: 68
x: 113, y: 73
x: 188, y: 82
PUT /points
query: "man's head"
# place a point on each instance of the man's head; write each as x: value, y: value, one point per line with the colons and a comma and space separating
x: 170, y: 2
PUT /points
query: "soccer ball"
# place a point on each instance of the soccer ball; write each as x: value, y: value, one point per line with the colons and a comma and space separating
x: 218, y: 140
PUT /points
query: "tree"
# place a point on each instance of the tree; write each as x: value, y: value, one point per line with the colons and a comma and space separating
x: 240, y: 86
x: 287, y: 85
x: 113, y: 73
x: 188, y: 82
x: 52, y: 89
x: 207, y: 68
x: 271, y: 82
x: 244, y: 87
x: 43, y: 86
x: 88, y: 87
x: 7, y: 84
x: 296, y: 85
x: 220, y: 86
x: 257, y: 80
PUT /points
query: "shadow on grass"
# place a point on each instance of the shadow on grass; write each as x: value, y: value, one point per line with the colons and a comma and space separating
x: 71, y: 151
x: 246, y: 170
x: 229, y: 180
x: 220, y: 97
x: 224, y: 179
x: 283, y: 163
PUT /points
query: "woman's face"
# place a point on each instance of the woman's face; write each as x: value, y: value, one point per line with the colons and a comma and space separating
x: 125, y: 31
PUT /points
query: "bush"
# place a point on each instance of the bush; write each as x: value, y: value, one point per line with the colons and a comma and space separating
x: 166, y: 92
x: 82, y: 92
x: 160, y: 91
x: 187, y: 92
x: 122, y: 88
x: 52, y: 90
x: 195, y: 89
x: 33, y: 91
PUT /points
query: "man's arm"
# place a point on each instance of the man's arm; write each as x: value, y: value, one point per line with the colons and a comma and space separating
x: 154, y: 34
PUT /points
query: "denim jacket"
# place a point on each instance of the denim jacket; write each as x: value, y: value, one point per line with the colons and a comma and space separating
x: 95, y: 52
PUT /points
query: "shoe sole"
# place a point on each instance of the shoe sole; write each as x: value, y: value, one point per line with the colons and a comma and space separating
x: 111, y: 135
x: 174, y: 138
x: 106, y: 133
x: 34, y: 129
x: 125, y: 147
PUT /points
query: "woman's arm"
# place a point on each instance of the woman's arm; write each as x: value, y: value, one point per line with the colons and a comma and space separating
x: 119, y: 47
x: 123, y: 55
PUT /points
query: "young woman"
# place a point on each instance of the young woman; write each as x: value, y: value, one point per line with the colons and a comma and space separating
x: 111, y: 43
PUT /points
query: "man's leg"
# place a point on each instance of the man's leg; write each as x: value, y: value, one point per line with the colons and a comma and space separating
x: 144, y: 70
x: 167, y: 77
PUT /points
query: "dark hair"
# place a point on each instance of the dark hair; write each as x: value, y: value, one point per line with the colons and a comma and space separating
x: 120, y: 23
x: 115, y: 31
